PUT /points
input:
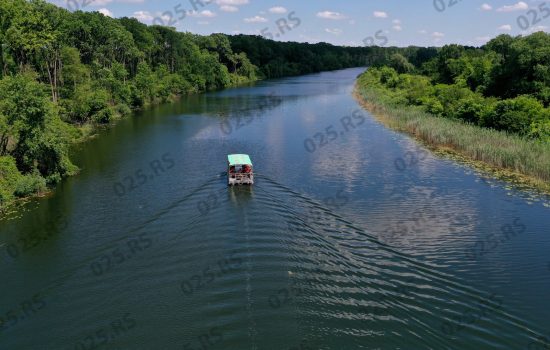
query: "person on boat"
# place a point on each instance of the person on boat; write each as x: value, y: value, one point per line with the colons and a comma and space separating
x: 247, y: 169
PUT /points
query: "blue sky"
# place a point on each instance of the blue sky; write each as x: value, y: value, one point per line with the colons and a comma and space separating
x: 344, y: 22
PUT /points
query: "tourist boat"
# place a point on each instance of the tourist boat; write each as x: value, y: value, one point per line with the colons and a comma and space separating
x: 239, y: 170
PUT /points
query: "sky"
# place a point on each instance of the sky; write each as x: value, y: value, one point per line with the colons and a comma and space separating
x: 343, y: 22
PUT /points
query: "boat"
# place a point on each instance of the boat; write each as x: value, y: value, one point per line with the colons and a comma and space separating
x: 239, y: 170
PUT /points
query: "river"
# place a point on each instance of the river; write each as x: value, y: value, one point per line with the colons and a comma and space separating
x: 353, y: 237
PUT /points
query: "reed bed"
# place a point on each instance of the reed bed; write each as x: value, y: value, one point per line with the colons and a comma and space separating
x: 521, y: 159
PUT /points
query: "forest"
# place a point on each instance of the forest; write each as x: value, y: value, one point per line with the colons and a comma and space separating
x: 504, y: 85
x: 281, y: 59
x: 63, y: 73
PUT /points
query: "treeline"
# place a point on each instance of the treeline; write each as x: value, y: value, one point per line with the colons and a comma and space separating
x: 277, y: 59
x: 504, y: 85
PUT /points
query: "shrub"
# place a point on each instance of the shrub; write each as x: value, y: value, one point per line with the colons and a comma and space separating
x: 29, y: 185
x: 91, y: 104
x: 450, y: 97
x: 472, y: 109
x: 432, y: 105
x: 9, y: 176
x: 104, y: 115
x: 415, y: 88
x: 122, y: 109
x: 389, y: 77
x: 137, y: 97
x: 540, y: 129
x: 516, y: 115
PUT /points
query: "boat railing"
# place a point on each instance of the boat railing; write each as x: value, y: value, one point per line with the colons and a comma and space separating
x: 240, y: 176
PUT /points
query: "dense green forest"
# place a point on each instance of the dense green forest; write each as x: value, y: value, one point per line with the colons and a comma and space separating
x: 281, y: 59
x: 504, y: 85
x: 63, y: 73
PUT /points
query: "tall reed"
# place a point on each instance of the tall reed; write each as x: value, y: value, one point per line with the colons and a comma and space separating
x: 527, y: 159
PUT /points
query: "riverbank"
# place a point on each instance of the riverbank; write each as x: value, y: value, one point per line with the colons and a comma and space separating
x: 17, y: 189
x: 506, y: 156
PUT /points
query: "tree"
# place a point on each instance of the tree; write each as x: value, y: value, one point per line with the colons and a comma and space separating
x: 400, y: 63
x: 33, y: 129
x: 73, y: 72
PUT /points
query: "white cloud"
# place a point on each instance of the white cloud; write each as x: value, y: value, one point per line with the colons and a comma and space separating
x: 538, y: 29
x: 105, y: 12
x: 397, y: 28
x: 98, y: 2
x: 105, y: 2
x: 331, y: 15
x: 229, y: 8
x: 483, y: 39
x: 231, y: 2
x: 255, y: 19
x: 396, y: 21
x: 143, y: 16
x: 380, y: 14
x: 278, y: 9
x: 520, y: 6
x: 334, y: 31
x: 309, y: 39
x: 423, y: 31
x: 201, y: 14
x: 437, y: 36
x: 486, y: 7
x: 505, y: 27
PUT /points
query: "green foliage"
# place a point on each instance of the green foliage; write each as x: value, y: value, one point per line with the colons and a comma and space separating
x: 59, y: 68
x: 540, y: 130
x: 34, y: 136
x: 517, y: 115
x: 400, y: 63
x: 278, y: 59
x: 522, y: 66
x: 29, y: 185
x: 90, y: 105
x: 415, y: 88
x: 9, y: 177
x: 73, y: 72
x: 432, y: 105
x: 450, y: 97
x: 389, y: 77
x: 504, y: 85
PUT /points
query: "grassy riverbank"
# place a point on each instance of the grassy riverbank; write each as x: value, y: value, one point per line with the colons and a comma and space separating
x: 508, y: 155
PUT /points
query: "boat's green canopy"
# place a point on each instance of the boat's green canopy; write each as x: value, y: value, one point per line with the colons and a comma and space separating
x: 239, y: 159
